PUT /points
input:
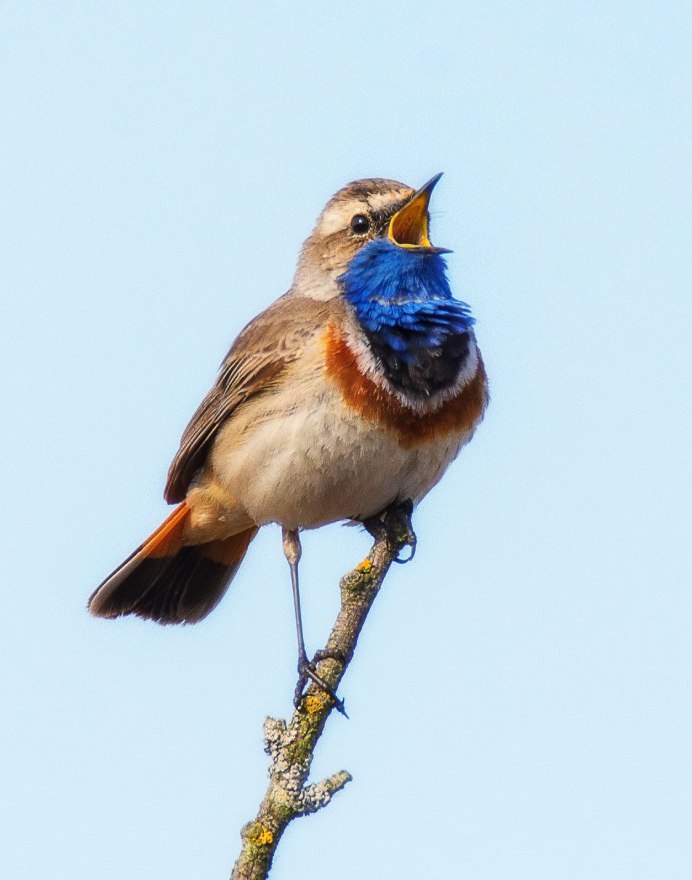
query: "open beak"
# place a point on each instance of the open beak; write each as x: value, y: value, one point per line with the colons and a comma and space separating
x: 408, y: 228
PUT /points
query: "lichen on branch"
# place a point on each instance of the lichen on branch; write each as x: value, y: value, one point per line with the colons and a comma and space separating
x: 291, y: 745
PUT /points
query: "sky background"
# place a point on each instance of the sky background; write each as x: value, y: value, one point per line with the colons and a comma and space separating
x: 520, y: 698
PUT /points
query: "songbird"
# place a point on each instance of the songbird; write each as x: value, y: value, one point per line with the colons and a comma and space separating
x: 352, y: 392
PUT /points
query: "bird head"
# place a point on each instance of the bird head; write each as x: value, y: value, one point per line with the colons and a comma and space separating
x: 361, y: 214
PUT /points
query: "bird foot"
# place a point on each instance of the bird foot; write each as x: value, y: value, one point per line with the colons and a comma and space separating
x: 395, y: 523
x: 307, y: 672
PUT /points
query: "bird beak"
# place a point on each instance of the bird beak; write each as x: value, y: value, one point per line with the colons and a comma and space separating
x: 408, y: 228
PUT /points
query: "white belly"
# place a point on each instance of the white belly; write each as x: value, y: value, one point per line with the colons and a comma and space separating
x: 317, y: 462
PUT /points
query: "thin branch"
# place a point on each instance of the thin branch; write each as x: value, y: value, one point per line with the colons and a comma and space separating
x: 291, y: 746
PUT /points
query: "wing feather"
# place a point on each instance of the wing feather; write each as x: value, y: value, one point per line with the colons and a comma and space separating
x: 256, y: 364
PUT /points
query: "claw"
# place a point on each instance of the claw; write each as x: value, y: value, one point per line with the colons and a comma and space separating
x: 329, y: 655
x: 411, y: 541
x: 399, y: 514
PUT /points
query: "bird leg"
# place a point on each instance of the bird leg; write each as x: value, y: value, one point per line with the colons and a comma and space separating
x: 306, y: 669
x: 395, y: 517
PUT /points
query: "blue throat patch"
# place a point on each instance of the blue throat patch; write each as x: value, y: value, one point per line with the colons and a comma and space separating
x: 416, y: 328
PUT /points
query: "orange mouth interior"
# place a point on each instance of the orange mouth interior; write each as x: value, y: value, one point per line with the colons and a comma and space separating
x: 409, y: 226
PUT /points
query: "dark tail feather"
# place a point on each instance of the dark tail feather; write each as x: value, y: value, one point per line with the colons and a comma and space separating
x: 169, y: 583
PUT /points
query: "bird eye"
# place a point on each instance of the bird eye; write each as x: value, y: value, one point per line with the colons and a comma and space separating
x: 360, y: 224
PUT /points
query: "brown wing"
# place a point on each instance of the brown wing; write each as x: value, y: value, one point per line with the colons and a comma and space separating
x: 254, y: 365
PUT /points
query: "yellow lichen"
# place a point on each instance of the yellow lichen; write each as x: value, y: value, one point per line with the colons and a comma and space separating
x: 265, y: 838
x: 261, y: 835
x: 315, y: 702
x: 365, y: 565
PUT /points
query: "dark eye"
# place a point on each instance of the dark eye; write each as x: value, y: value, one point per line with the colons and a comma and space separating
x: 360, y: 224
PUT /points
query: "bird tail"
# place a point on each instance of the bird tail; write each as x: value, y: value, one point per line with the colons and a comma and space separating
x: 166, y: 581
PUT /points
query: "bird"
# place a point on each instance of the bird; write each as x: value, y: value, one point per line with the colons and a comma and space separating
x: 351, y: 393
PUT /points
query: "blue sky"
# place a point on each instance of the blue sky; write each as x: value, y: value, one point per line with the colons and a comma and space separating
x: 520, y: 699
